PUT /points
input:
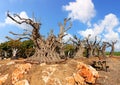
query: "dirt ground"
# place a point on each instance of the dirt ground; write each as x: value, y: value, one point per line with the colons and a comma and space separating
x: 34, y: 76
x: 112, y: 77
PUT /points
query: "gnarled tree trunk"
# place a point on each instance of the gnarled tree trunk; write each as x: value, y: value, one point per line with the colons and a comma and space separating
x: 46, y: 50
x: 112, y: 45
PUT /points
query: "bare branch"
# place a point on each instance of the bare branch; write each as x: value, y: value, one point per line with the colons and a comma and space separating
x: 22, y: 20
x: 9, y: 38
x: 68, y: 27
x: 63, y: 28
x: 24, y: 34
x: 13, y: 18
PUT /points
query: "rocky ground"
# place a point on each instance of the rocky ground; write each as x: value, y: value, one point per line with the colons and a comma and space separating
x: 16, y: 72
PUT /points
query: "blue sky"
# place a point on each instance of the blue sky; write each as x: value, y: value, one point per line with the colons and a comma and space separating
x: 95, y: 17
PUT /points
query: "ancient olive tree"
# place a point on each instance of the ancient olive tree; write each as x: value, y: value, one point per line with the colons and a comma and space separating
x: 46, y: 50
x: 90, y: 46
x: 112, y: 45
x: 78, y: 47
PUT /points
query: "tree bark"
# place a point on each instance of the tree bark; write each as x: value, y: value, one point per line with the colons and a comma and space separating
x: 46, y: 50
x: 112, y: 45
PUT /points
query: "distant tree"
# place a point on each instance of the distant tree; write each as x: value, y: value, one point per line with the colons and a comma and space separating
x: 102, y: 49
x: 90, y: 46
x: 15, y: 47
x: 78, y: 46
x: 98, y: 48
x: 112, y: 45
x: 4, y: 49
x: 69, y: 50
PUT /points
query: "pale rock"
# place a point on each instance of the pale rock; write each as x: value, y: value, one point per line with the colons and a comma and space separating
x: 87, y: 72
x: 94, y: 72
x: 16, y: 75
x: 25, y: 67
x: 42, y: 64
x: 53, y: 81
x: 3, y: 78
x: 22, y: 82
x: 79, y: 79
x: 10, y: 63
x: 47, y: 73
x: 20, y: 70
x: 70, y: 80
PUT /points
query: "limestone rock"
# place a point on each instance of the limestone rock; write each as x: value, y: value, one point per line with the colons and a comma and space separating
x: 10, y: 63
x: 87, y: 72
x: 3, y: 78
x: 70, y: 80
x: 53, y: 81
x: 19, y: 71
x: 79, y: 79
x: 23, y: 67
x: 22, y: 82
x: 47, y: 73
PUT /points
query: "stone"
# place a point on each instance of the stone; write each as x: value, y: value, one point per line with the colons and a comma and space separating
x: 20, y: 70
x: 10, y: 63
x: 70, y: 80
x: 47, y: 73
x: 22, y: 82
x: 79, y: 79
x: 16, y: 75
x: 3, y: 78
x: 53, y: 81
x: 42, y: 64
x: 25, y: 67
x: 87, y: 72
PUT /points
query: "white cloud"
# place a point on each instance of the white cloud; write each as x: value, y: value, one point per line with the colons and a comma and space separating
x: 117, y: 46
x: 118, y: 29
x: 67, y: 37
x: 86, y: 32
x: 23, y: 14
x: 82, y: 10
x: 108, y: 24
x: 105, y: 28
x: 111, y: 36
x: 10, y: 21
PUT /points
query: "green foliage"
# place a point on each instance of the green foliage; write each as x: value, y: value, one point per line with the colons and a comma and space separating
x: 14, y: 44
x: 69, y: 48
x: 4, y: 46
x: 85, y: 53
x: 27, y: 44
x: 25, y: 48
x: 115, y: 53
